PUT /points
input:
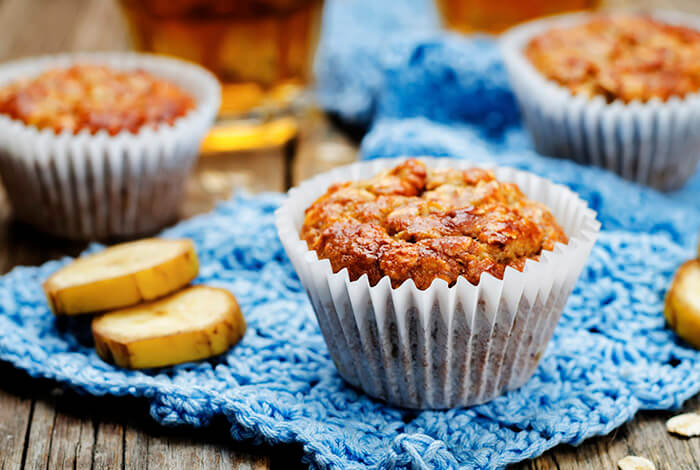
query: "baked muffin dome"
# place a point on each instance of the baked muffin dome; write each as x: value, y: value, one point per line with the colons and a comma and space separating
x: 95, y: 98
x: 620, y: 57
x: 412, y: 222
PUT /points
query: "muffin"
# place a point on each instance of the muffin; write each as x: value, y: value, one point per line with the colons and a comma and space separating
x: 435, y: 283
x: 625, y: 57
x: 618, y: 90
x: 414, y: 223
x: 94, y: 98
x: 95, y: 146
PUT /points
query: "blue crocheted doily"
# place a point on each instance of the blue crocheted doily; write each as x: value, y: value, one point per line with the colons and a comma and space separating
x: 610, y: 356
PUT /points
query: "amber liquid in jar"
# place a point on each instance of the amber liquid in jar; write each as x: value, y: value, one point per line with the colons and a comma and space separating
x: 261, y: 50
x: 495, y: 16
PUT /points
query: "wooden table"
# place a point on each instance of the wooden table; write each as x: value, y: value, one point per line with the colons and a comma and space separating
x: 44, y: 426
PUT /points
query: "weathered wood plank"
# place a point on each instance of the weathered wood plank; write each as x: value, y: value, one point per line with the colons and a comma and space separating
x: 151, y: 446
x: 135, y: 449
x: 15, y: 413
x: 72, y: 442
x: 243, y: 462
x: 40, y: 435
x: 217, y: 177
x: 171, y: 452
x: 109, y: 442
x: 37, y: 27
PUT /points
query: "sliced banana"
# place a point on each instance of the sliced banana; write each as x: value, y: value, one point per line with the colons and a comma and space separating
x: 683, y: 302
x: 122, y: 275
x: 192, y: 324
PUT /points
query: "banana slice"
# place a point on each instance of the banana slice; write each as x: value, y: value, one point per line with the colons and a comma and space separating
x: 122, y: 275
x: 192, y: 324
x: 683, y: 302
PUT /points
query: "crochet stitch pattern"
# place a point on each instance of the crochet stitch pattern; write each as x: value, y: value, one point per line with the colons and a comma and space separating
x: 610, y: 356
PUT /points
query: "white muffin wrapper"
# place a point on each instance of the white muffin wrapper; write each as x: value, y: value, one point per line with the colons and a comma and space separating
x: 654, y: 143
x: 85, y: 186
x: 442, y: 347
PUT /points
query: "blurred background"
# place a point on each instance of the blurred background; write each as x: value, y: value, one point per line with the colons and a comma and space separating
x: 269, y: 133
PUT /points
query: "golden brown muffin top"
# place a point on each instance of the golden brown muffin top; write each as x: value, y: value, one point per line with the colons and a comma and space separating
x: 624, y: 56
x: 412, y: 222
x: 94, y: 97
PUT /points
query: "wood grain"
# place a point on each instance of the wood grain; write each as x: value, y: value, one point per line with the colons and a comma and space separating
x: 217, y: 177
x: 72, y: 442
x: 40, y: 442
x: 174, y: 452
x: 15, y: 414
x: 109, y: 445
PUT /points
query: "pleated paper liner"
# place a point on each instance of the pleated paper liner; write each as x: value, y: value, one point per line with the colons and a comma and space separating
x: 654, y: 143
x: 441, y: 347
x: 84, y: 186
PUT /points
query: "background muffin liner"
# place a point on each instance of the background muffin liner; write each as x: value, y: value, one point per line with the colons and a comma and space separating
x: 654, y: 143
x: 85, y: 186
x: 444, y: 346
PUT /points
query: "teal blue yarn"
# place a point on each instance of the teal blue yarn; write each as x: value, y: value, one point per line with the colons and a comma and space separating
x: 611, y: 354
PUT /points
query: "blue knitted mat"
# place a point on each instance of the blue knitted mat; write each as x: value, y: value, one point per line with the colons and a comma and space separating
x: 611, y: 354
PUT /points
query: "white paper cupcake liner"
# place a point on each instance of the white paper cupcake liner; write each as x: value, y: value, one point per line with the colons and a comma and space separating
x: 442, y: 347
x: 84, y: 186
x: 654, y: 143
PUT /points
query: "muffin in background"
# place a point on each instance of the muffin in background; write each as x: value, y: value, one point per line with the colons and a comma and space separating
x: 624, y: 57
x: 94, y: 98
x: 96, y: 146
x: 616, y: 90
x: 399, y: 313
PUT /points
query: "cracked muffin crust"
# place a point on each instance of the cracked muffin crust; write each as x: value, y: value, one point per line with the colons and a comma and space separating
x: 94, y: 97
x: 412, y: 222
x: 623, y: 56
